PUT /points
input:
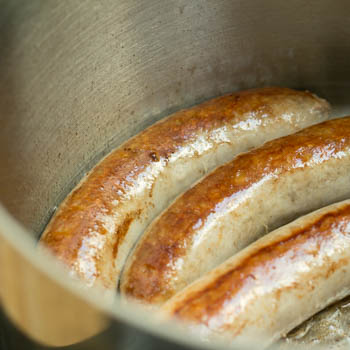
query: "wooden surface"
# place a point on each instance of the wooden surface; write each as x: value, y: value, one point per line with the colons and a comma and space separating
x: 40, y: 307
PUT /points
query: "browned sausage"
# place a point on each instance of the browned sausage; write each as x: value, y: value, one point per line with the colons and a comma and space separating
x: 95, y: 227
x: 236, y: 204
x: 274, y: 284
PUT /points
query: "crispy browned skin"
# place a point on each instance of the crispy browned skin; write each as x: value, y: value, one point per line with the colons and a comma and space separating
x: 151, y: 271
x: 206, y: 302
x: 274, y: 284
x: 77, y: 234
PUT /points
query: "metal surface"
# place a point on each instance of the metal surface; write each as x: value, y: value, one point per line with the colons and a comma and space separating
x: 78, y: 78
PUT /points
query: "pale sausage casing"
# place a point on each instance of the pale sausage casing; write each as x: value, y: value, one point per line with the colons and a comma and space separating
x: 236, y: 204
x: 274, y: 284
x: 96, y: 226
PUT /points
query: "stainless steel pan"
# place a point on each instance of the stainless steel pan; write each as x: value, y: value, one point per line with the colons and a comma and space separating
x: 78, y: 78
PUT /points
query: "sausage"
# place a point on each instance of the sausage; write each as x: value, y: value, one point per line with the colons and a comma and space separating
x: 96, y: 226
x: 236, y: 204
x: 274, y: 284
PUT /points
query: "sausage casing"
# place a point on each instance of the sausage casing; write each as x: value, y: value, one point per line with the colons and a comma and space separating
x: 95, y: 227
x: 236, y: 204
x: 274, y: 284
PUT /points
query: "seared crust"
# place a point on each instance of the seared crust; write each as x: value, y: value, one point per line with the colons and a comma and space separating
x: 300, y: 242
x: 275, y: 283
x: 153, y: 265
x: 92, y: 224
